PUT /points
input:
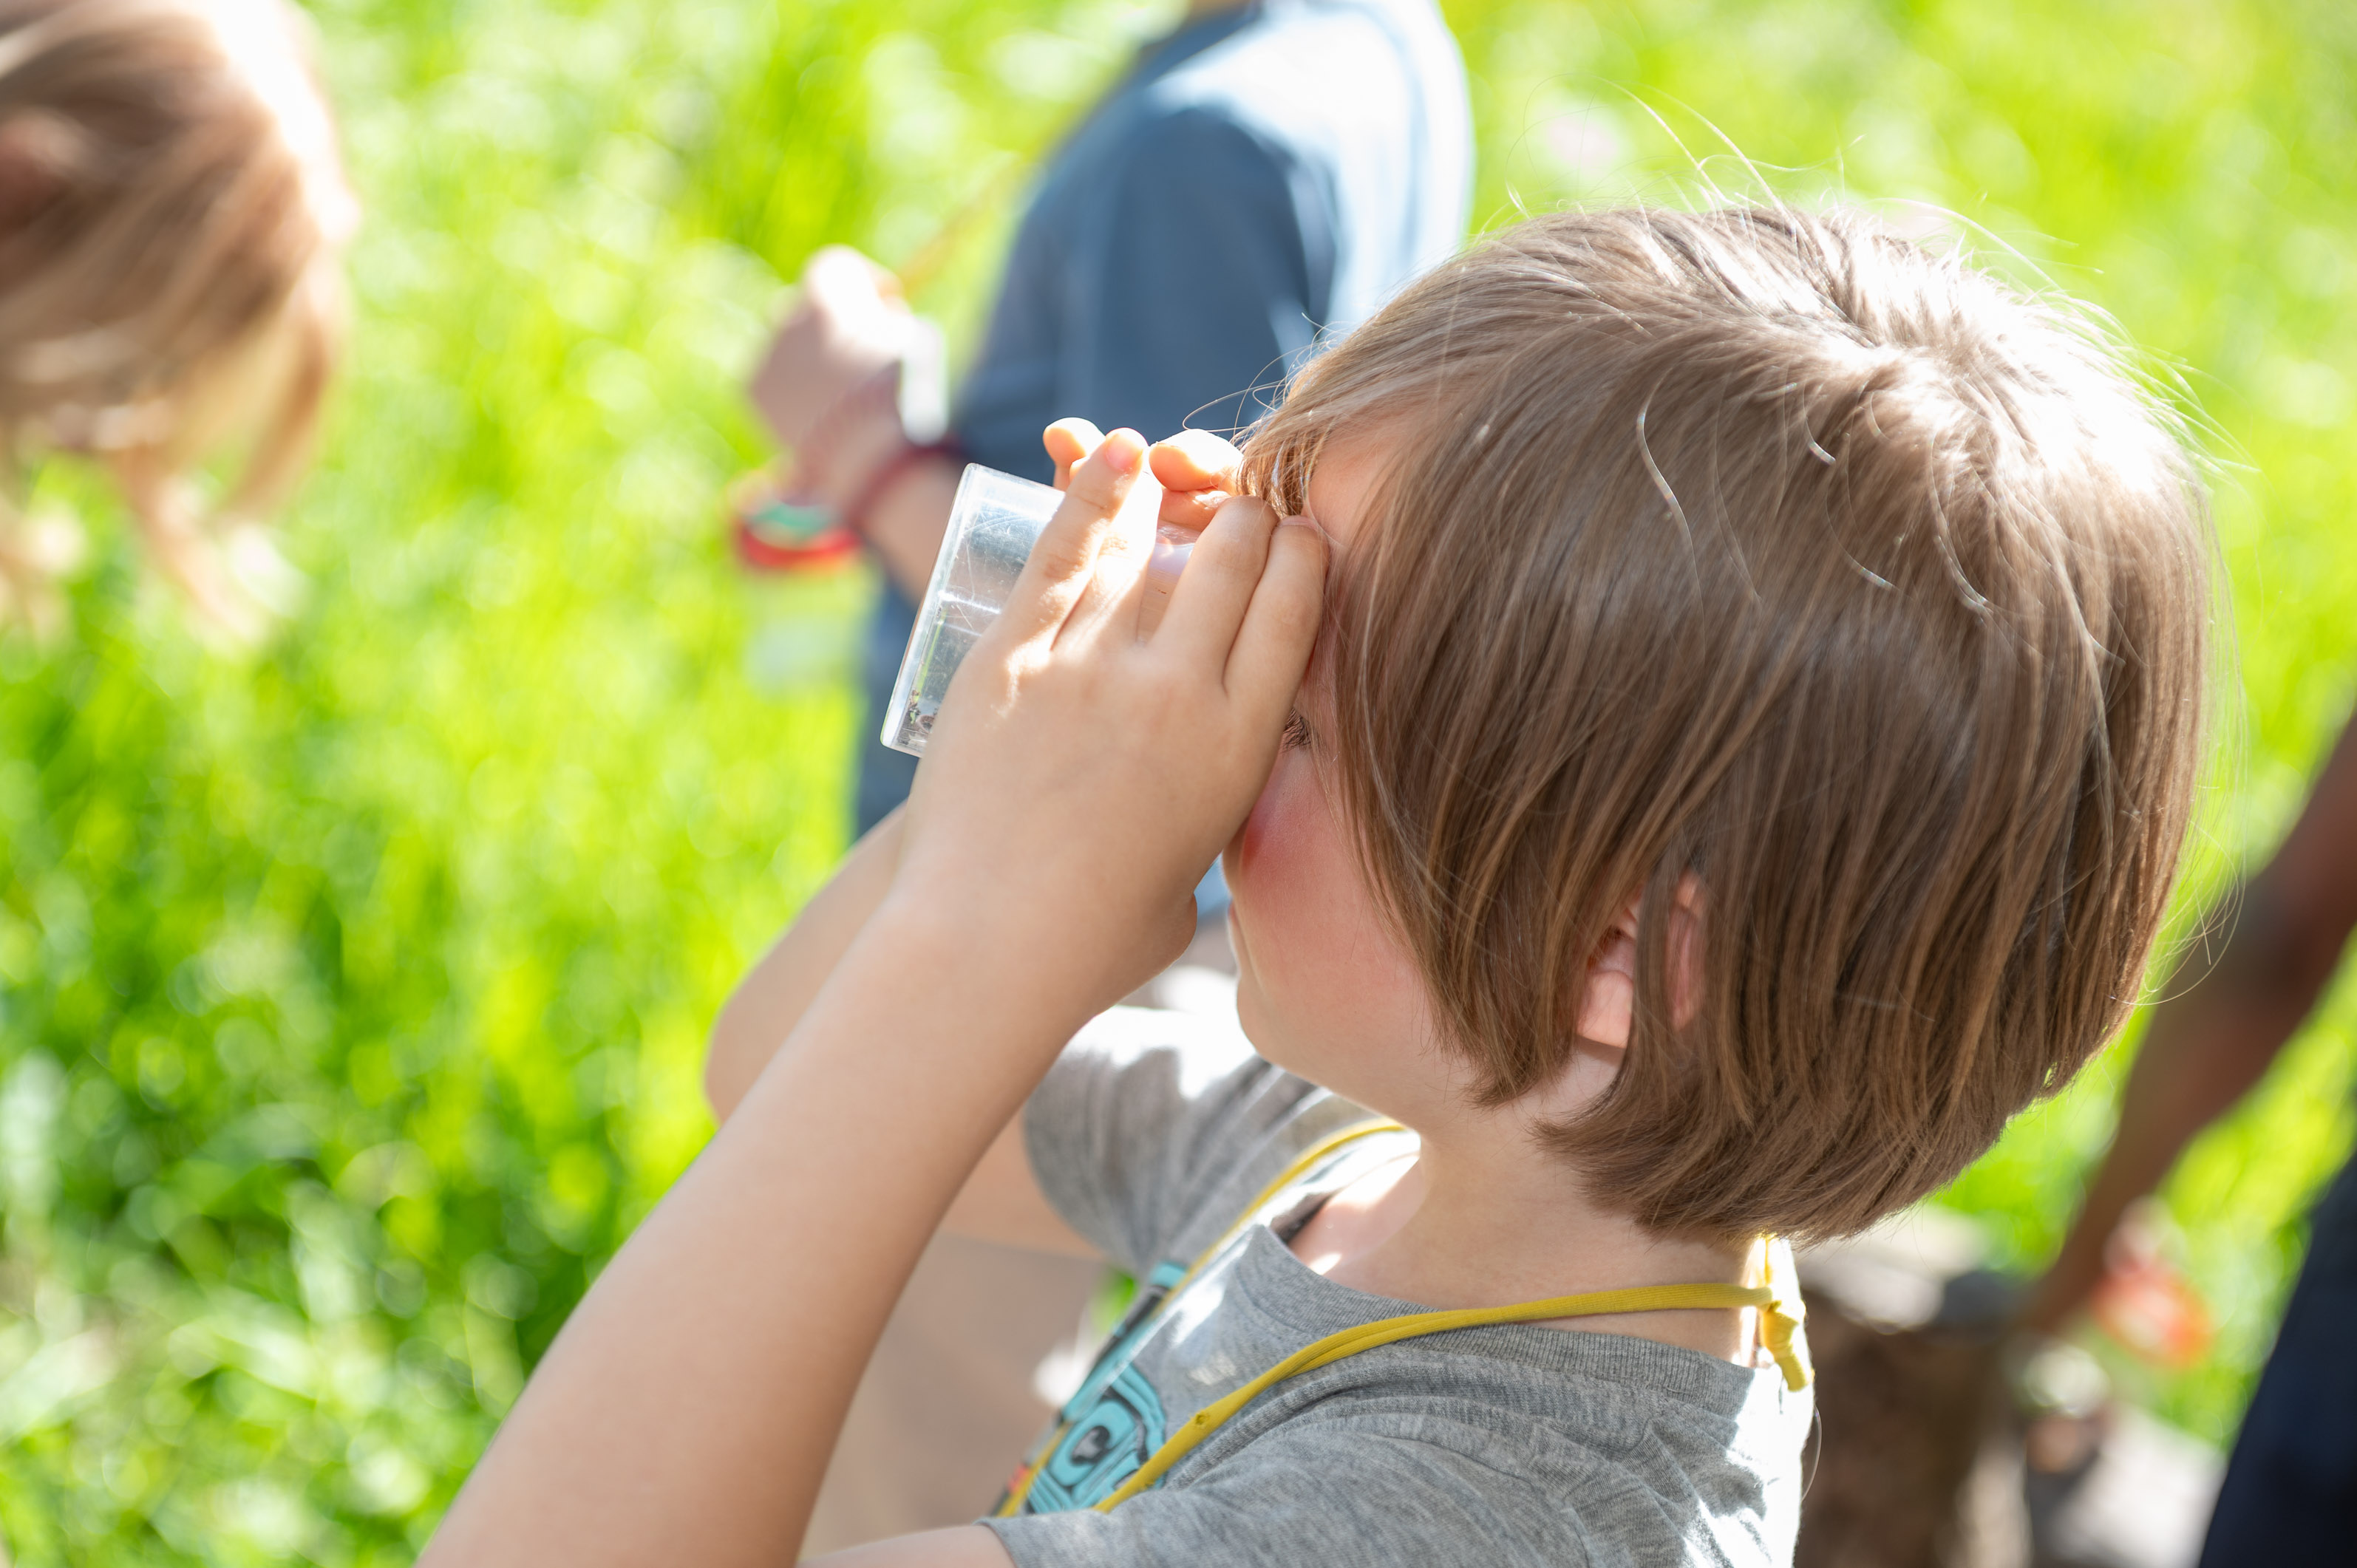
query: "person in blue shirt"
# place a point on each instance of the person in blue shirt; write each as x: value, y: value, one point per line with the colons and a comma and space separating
x: 1261, y: 179
x: 1277, y: 169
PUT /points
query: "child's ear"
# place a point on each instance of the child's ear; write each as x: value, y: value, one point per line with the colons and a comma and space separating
x: 1609, y: 1002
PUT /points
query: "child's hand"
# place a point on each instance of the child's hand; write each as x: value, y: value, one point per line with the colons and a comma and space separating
x: 1198, y: 471
x: 1085, y: 771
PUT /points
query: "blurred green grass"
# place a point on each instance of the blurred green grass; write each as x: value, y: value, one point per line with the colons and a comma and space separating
x: 354, y: 990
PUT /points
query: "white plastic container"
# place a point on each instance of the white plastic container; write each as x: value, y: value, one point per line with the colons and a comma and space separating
x: 993, y: 522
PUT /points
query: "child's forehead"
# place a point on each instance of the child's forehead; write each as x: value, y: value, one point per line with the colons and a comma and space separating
x: 1339, y: 498
x: 1340, y: 487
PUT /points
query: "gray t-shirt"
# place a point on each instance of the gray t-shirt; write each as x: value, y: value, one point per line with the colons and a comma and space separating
x: 1506, y: 1444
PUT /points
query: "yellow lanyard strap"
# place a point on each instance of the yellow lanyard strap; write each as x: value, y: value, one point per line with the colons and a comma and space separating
x: 1779, y: 1329
x: 1300, y: 1167
x: 1778, y: 1301
x: 1012, y: 1504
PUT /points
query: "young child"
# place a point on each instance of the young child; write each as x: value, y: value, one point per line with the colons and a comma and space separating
x: 1750, y: 730
x: 172, y: 217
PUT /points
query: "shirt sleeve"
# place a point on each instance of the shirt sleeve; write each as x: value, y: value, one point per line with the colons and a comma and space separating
x: 1199, y: 281
x: 1328, y: 1495
x: 1153, y: 1126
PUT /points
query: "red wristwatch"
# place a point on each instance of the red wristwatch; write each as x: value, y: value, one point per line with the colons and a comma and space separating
x: 770, y: 531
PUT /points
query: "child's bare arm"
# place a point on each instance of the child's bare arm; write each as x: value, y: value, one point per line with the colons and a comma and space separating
x: 966, y: 1546
x: 771, y: 999
x: 1001, y: 1202
x: 687, y: 1410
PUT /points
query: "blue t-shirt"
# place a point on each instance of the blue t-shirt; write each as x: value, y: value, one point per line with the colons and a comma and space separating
x: 1262, y: 178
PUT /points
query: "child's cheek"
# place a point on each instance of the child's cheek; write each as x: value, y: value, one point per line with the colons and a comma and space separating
x: 1328, y: 991
x: 1267, y: 853
x: 1271, y: 873
x: 1306, y: 915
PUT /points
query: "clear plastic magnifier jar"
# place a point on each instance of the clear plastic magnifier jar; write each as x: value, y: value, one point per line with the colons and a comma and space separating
x: 993, y: 522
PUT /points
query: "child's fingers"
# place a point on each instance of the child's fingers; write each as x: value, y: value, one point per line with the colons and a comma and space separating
x: 1216, y: 587
x: 1272, y: 646
x: 1197, y: 460
x: 1067, y: 441
x: 1190, y: 512
x: 1198, y: 472
x: 1063, y: 562
x: 1117, y: 589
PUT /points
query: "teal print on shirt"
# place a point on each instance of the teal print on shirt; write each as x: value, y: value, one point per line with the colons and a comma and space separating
x: 1103, y: 1448
x: 1115, y: 1422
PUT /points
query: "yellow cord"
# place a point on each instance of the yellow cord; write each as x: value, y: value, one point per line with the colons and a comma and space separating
x: 1285, y: 1178
x: 1302, y: 1162
x: 1368, y: 1336
x: 1776, y: 1300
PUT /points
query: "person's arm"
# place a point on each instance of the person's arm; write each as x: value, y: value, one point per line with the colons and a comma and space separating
x: 686, y: 1411
x: 827, y: 388
x: 775, y: 993
x: 1001, y: 1201
x: 2224, y: 1018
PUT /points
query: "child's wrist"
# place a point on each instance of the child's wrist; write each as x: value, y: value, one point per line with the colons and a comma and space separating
x: 992, y: 978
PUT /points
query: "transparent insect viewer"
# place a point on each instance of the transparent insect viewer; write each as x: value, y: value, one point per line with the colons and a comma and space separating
x: 993, y: 522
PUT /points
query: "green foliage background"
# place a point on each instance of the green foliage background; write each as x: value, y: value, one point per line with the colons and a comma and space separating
x: 354, y: 990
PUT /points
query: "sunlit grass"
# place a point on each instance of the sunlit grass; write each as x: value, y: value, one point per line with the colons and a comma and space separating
x: 355, y: 989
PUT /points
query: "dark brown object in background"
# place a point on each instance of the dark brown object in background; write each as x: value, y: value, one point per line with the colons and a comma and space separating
x: 1918, y: 1460
x: 1916, y: 1465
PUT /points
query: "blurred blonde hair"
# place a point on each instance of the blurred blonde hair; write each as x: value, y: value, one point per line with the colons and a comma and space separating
x: 172, y: 210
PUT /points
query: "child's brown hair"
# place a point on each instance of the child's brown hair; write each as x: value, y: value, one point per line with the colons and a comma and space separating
x: 1771, y: 549
x: 171, y: 212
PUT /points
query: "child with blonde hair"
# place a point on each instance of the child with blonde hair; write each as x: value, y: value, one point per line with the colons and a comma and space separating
x: 172, y: 212
x: 1747, y: 730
